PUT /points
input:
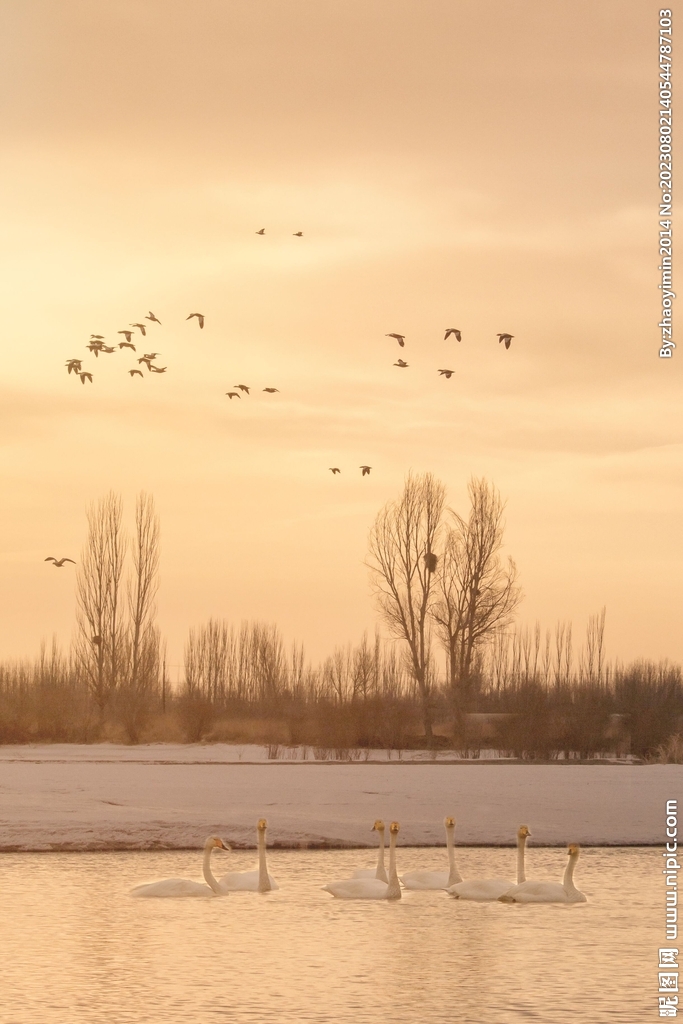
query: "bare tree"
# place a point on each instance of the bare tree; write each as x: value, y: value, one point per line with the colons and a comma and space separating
x: 401, y: 561
x: 477, y: 592
x: 100, y: 640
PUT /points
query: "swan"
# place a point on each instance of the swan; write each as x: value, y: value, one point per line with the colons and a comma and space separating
x: 184, y: 886
x: 482, y: 889
x: 252, y: 881
x: 371, y: 888
x: 436, y: 879
x: 549, y: 892
x: 380, y: 871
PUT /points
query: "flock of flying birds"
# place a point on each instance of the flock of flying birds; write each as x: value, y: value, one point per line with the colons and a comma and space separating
x: 97, y: 346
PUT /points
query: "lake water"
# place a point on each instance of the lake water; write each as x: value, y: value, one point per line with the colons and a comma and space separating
x: 75, y: 947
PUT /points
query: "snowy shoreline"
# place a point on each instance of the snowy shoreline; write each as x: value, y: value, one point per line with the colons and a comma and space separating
x: 170, y: 796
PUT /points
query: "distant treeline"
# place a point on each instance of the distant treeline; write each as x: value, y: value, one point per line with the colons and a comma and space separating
x: 528, y: 696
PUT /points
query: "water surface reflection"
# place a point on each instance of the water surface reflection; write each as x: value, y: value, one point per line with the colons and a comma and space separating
x: 74, y: 947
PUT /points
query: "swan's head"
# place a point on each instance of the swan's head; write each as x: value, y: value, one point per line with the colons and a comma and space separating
x: 449, y: 822
x: 262, y: 824
x: 523, y: 832
x: 573, y: 849
x: 216, y: 841
x: 378, y: 826
x: 394, y: 828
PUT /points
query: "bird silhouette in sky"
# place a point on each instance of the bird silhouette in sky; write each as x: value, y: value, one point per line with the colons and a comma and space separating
x: 128, y: 334
x: 108, y: 348
x: 261, y: 232
x: 127, y: 344
x: 452, y: 330
x: 134, y: 372
x: 242, y: 387
x: 400, y: 338
x: 95, y: 347
x: 402, y: 363
x: 150, y: 355
x: 271, y: 391
x: 158, y: 369
x: 151, y: 316
x: 298, y: 234
x: 147, y: 361
x: 141, y: 326
x: 73, y: 365
x: 507, y: 338
x: 335, y: 469
x: 232, y: 394
x: 85, y: 376
x: 200, y: 318
x: 447, y: 373
x: 366, y: 470
x: 58, y: 562
x: 97, y: 337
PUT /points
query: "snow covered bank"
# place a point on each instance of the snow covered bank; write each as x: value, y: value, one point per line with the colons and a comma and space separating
x: 172, y: 796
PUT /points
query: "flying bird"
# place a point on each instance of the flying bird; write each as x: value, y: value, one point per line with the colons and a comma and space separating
x: 400, y: 338
x: 452, y: 330
x: 134, y: 372
x: 507, y: 338
x: 261, y: 232
x: 151, y: 316
x: 127, y: 344
x: 200, y: 317
x: 447, y: 373
x: 95, y: 347
x: 58, y: 562
x: 402, y: 363
x: 151, y: 355
x: 232, y: 394
x: 298, y: 234
x: 108, y: 348
x: 141, y: 326
x: 242, y: 387
x: 147, y: 361
x: 157, y: 369
x: 97, y: 337
x: 83, y: 375
x: 271, y: 391
x: 128, y: 334
x: 366, y: 470
x: 73, y: 365
x: 335, y: 469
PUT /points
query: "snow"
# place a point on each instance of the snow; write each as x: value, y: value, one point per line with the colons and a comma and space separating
x: 167, y: 796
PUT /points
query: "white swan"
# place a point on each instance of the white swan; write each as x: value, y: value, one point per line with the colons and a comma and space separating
x: 436, y: 879
x: 371, y: 888
x: 252, y: 881
x: 380, y: 871
x: 184, y: 886
x: 549, y: 892
x: 482, y: 889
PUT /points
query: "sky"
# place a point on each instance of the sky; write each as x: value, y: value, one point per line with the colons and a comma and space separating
x: 450, y: 164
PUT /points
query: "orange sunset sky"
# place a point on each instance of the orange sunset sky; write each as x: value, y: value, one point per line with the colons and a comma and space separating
x: 491, y: 167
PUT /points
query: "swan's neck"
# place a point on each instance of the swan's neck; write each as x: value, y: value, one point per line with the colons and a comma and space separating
x: 263, y: 879
x: 568, y: 880
x: 454, y: 875
x: 394, y: 890
x: 208, y: 874
x: 521, y: 844
x: 381, y: 872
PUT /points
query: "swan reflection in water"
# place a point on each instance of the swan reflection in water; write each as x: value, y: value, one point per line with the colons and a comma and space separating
x: 185, y: 886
